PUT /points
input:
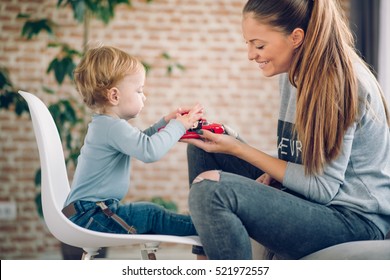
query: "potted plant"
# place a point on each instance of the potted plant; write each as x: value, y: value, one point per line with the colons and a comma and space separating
x: 68, y: 114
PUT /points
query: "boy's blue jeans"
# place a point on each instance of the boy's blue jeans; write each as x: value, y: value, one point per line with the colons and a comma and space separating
x: 144, y: 217
x: 230, y: 211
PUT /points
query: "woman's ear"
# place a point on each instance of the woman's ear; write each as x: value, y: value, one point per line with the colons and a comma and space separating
x: 113, y: 96
x: 297, y: 37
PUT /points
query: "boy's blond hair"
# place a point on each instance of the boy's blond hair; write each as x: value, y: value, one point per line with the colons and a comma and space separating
x: 99, y: 70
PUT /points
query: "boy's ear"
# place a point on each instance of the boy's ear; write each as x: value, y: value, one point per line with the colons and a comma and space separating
x: 113, y: 96
x: 297, y: 37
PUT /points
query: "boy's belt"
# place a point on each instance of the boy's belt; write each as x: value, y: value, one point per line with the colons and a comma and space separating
x: 71, y: 210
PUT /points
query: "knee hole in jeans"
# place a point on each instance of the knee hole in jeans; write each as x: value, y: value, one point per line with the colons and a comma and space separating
x: 212, y: 175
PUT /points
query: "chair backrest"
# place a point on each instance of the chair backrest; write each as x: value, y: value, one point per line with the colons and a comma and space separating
x: 54, y: 182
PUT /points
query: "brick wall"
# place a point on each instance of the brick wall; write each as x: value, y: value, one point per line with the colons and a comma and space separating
x: 204, y: 36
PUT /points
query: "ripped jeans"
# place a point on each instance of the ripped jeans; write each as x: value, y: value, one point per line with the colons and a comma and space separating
x: 230, y: 207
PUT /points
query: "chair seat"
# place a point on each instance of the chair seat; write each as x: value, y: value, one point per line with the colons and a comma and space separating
x: 357, y: 250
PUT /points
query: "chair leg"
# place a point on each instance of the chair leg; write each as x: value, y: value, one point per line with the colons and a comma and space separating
x: 148, y: 250
x: 90, y: 253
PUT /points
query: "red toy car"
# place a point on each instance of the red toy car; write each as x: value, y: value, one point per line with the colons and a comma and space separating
x: 203, y: 124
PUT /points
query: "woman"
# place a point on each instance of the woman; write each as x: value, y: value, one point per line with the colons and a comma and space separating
x: 333, y: 144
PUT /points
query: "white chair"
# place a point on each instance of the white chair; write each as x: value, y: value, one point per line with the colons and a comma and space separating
x: 355, y: 250
x: 55, y: 188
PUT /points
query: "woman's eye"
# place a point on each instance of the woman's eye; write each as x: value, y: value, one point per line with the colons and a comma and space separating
x: 259, y: 47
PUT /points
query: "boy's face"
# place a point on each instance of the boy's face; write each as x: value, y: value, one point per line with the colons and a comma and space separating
x: 131, y: 95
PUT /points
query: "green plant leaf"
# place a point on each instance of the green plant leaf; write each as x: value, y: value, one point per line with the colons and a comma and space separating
x: 70, y: 68
x: 171, y: 66
x: 167, y: 204
x: 6, y: 100
x: 73, y: 156
x: 37, y: 178
x: 38, y: 202
x: 21, y: 15
x: 180, y: 66
x: 62, y: 68
x: 9, y: 98
x: 63, y: 65
x: 5, y: 82
x: 147, y: 66
x: 69, y: 112
x: 32, y: 28
x: 20, y: 105
x: 68, y: 141
x: 101, y: 10
x: 166, y: 56
x: 48, y: 90
x: 78, y: 7
x: 59, y: 70
x: 169, y: 69
x: 65, y: 117
x: 54, y: 44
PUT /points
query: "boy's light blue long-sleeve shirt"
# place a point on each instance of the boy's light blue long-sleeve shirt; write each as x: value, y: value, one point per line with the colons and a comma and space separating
x: 103, y: 167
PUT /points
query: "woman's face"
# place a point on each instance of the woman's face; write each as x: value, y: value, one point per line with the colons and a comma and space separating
x: 270, y: 48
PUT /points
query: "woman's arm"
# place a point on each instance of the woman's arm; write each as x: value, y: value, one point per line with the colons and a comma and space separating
x: 316, y: 187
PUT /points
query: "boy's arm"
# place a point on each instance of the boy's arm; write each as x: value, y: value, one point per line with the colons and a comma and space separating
x: 154, y: 128
x: 133, y: 142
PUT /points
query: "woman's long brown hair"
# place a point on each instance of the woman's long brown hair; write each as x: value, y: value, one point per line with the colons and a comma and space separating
x: 321, y: 70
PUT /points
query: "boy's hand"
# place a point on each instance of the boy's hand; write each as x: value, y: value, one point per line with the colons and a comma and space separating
x: 172, y: 115
x: 189, y: 117
x: 180, y: 110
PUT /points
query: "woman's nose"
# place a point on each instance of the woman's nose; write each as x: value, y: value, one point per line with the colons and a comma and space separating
x: 252, y: 54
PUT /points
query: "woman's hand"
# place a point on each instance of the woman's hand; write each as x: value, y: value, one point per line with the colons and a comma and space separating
x: 215, y: 143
